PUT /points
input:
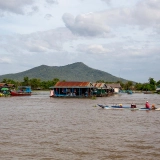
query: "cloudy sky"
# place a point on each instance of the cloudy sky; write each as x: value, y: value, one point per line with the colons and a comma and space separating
x: 121, y: 37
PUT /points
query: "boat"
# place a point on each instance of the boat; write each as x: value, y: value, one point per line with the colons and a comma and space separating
x: 147, y: 92
x: 116, y: 107
x: 4, y: 91
x: 120, y: 107
x: 112, y: 107
x: 129, y: 91
x: 144, y: 109
x: 126, y: 107
x: 22, y: 91
x: 1, y: 94
x: 148, y: 109
x: 104, y: 107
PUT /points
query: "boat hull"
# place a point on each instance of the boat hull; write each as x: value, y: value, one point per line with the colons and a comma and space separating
x: 20, y: 94
x: 116, y: 107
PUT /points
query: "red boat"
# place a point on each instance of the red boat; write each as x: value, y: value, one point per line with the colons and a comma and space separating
x: 19, y: 93
x: 22, y: 91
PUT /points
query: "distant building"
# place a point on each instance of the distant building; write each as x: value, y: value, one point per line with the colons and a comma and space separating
x: 158, y: 89
x: 115, y: 86
x: 102, y: 89
x: 3, y: 85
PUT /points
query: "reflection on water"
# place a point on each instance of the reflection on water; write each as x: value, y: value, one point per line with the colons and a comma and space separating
x: 42, y: 128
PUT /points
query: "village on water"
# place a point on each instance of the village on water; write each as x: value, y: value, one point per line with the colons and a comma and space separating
x: 75, y: 89
x: 71, y: 89
x: 66, y: 89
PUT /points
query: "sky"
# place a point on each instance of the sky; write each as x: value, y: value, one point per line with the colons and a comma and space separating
x: 121, y: 37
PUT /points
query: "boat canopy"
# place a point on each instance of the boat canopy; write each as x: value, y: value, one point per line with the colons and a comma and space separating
x: 25, y: 88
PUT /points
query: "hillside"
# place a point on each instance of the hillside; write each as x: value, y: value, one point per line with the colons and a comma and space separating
x: 72, y: 72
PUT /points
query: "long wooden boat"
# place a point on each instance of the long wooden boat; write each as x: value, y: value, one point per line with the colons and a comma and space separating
x: 113, y: 107
x: 14, y: 93
x: 22, y: 91
x: 126, y: 107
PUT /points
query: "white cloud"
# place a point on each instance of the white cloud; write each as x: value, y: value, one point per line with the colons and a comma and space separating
x: 15, y: 6
x: 23, y: 6
x: 37, y: 42
x: 5, y: 60
x: 145, y: 14
x: 85, y: 25
x: 52, y: 1
x: 107, y: 1
x: 93, y: 49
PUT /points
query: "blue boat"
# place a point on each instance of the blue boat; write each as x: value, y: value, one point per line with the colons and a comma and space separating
x: 129, y: 91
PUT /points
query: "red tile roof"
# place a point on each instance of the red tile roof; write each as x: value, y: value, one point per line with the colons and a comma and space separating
x: 3, y: 84
x: 73, y: 84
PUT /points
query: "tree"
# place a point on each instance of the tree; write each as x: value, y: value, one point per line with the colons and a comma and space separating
x: 35, y: 83
x: 128, y: 85
x: 152, y: 83
x: 26, y: 81
x: 139, y: 86
x: 55, y: 80
x: 100, y: 81
x: 158, y: 83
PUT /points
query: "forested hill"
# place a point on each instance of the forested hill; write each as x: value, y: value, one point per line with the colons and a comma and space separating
x: 72, y: 72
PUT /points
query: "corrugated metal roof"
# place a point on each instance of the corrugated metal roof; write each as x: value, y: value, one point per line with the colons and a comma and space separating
x: 11, y: 85
x: 3, y: 84
x: 99, y: 85
x: 114, y: 85
x: 73, y: 84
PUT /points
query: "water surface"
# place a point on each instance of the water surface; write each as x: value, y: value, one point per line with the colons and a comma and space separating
x: 42, y: 128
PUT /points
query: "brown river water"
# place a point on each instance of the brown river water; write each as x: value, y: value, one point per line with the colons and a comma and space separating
x: 38, y: 127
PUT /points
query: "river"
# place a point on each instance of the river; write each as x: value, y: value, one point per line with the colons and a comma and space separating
x: 38, y: 127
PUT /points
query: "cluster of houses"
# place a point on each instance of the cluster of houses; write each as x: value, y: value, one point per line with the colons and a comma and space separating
x: 74, y: 89
x: 83, y: 89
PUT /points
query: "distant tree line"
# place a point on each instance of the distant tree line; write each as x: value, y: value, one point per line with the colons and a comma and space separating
x: 38, y: 84
x: 34, y: 83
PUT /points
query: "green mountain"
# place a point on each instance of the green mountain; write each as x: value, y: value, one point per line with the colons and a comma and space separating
x: 72, y: 72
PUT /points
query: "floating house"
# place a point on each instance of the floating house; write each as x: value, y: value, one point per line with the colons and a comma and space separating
x: 5, y: 88
x: 115, y: 86
x: 3, y: 85
x: 72, y: 89
x: 103, y: 89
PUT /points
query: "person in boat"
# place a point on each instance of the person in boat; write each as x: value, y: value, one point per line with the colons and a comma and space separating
x: 120, y: 105
x: 133, y: 105
x: 153, y: 107
x: 147, y: 105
